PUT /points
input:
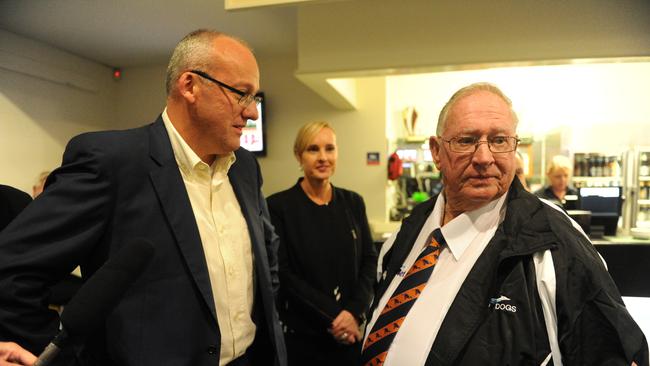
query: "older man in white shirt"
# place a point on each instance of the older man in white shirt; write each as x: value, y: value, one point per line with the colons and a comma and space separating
x: 477, y: 300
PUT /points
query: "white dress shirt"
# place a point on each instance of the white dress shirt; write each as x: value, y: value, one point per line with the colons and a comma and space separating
x: 226, y: 243
x: 467, y: 235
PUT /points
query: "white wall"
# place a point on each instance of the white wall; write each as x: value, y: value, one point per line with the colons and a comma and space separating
x: 597, y: 107
x: 140, y: 95
x: 38, y: 116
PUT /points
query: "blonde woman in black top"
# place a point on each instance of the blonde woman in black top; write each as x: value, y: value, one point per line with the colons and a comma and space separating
x: 559, y: 175
x: 327, y: 257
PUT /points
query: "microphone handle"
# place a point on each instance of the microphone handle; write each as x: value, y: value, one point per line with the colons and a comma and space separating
x: 48, y: 355
x: 52, y: 350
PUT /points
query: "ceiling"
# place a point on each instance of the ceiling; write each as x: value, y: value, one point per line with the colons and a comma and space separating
x: 127, y: 33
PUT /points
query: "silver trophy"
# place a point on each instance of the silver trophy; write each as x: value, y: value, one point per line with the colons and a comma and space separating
x: 409, y: 117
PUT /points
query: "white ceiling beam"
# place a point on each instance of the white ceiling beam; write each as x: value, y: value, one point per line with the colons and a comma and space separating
x: 247, y: 4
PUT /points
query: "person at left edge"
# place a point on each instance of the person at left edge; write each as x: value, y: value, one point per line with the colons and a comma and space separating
x: 12, y: 202
x: 182, y: 182
x: 327, y: 258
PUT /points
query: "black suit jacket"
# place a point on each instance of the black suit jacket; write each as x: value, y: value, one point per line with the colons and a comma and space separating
x: 111, y: 188
x: 12, y: 201
x: 594, y: 328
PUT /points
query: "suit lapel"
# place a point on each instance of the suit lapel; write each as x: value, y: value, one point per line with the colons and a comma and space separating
x: 247, y: 190
x: 170, y: 189
x: 401, y: 248
x: 247, y: 194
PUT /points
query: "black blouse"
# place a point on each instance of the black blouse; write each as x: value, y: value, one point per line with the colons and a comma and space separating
x: 547, y: 193
x: 327, y: 258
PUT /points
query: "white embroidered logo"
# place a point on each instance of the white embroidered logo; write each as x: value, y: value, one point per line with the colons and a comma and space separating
x: 499, y: 305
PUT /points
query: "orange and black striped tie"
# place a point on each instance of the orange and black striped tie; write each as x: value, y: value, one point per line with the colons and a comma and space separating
x: 392, y: 316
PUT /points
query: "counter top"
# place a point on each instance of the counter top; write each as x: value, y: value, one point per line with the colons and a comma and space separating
x: 627, y: 262
x: 619, y: 239
x: 382, y: 230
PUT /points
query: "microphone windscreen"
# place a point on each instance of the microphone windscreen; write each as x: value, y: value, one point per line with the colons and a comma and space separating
x: 90, y: 307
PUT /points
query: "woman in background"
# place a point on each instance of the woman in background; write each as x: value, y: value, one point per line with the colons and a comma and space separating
x: 520, y: 170
x: 327, y: 258
x: 558, y: 174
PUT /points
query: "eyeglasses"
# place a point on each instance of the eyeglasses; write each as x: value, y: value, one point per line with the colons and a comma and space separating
x: 245, y: 99
x: 469, y: 144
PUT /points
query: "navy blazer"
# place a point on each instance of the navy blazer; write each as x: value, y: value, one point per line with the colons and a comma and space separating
x: 113, y: 187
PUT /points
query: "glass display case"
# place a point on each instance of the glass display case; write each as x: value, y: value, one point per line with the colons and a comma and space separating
x: 596, y: 176
x: 629, y: 170
x: 641, y: 188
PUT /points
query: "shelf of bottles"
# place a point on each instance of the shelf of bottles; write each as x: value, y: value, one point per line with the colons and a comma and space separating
x: 643, y: 199
x: 597, y: 170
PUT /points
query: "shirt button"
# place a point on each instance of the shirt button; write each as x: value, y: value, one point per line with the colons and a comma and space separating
x: 212, y: 350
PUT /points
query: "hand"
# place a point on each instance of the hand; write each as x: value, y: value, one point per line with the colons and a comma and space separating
x: 345, y: 328
x: 12, y: 354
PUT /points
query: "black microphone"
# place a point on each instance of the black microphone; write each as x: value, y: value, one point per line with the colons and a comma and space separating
x: 89, y: 308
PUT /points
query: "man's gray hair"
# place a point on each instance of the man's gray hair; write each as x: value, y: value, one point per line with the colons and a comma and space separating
x: 466, y: 91
x: 194, y: 51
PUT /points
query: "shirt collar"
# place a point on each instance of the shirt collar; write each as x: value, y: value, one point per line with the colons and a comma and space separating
x: 464, y: 228
x: 186, y: 158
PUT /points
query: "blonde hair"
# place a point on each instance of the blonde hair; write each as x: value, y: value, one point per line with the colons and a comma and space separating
x: 467, y: 91
x: 559, y: 162
x: 306, y: 134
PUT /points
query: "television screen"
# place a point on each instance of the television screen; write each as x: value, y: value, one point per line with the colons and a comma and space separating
x: 605, y: 206
x: 601, y: 201
x: 253, y: 137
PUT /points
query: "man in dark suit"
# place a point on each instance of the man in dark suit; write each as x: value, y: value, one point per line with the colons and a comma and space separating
x: 12, y: 201
x: 182, y: 182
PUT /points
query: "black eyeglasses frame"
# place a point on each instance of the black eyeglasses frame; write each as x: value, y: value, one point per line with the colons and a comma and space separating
x: 245, y: 99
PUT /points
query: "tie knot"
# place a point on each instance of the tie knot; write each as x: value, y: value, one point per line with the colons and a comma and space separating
x: 437, y: 240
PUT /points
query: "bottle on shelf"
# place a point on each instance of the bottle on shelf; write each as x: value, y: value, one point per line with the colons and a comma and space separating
x: 600, y: 166
x: 591, y: 163
x: 644, y: 164
x: 585, y: 165
x: 641, y: 216
x: 607, y: 166
x: 616, y: 166
x: 577, y: 165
